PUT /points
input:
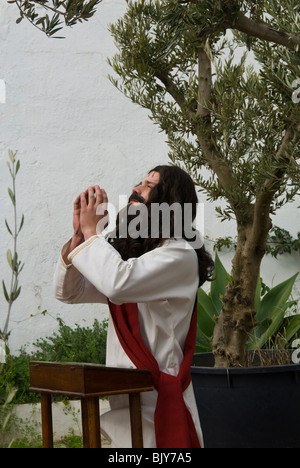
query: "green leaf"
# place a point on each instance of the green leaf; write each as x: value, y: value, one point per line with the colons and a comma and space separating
x: 203, y: 344
x: 273, y: 302
x: 18, y: 166
x: 270, y: 313
x: 209, y: 307
x: 15, y: 261
x: 9, y: 259
x: 5, y: 291
x: 11, y: 155
x: 12, y: 196
x: 16, y: 293
x: 292, y: 327
x: 206, y: 313
x: 9, y: 167
x: 9, y: 397
x: 21, y: 224
x: 8, y: 228
x: 219, y: 283
x: 257, y: 298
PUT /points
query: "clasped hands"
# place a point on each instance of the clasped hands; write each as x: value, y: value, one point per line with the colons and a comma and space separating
x: 90, y: 214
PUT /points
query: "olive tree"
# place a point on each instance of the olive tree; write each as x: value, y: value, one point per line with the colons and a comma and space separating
x: 234, y: 124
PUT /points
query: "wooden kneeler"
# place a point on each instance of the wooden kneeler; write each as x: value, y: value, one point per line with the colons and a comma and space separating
x: 88, y: 382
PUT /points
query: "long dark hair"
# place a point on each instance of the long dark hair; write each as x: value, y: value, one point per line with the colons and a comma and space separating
x: 175, y: 187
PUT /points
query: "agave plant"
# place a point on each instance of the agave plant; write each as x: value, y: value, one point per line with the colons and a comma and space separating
x: 273, y: 323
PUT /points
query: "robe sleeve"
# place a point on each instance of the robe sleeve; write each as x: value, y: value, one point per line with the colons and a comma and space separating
x: 71, y: 287
x: 167, y: 272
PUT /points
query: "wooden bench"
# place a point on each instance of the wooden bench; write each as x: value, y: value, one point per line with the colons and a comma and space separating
x: 88, y: 382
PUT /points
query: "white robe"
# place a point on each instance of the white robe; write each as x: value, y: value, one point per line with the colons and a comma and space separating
x: 163, y: 283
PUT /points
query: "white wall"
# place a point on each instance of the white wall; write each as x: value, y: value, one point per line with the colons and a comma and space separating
x: 73, y: 129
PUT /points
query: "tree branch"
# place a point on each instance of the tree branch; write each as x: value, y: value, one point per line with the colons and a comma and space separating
x: 203, y: 127
x: 251, y: 27
x: 291, y: 138
x: 204, y: 83
x: 44, y: 5
x: 205, y: 132
x: 271, y: 186
x: 170, y: 87
x: 264, y: 32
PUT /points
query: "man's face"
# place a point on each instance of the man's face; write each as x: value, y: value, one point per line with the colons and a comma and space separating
x: 141, y: 192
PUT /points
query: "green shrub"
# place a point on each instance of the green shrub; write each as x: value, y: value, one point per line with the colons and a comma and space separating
x: 87, y: 344
x: 74, y: 345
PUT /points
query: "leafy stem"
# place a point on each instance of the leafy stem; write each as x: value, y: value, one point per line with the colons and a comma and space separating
x: 15, y: 264
x: 279, y: 242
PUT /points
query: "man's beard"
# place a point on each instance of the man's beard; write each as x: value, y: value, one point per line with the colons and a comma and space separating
x: 131, y: 219
x: 141, y: 227
x: 136, y: 197
x: 121, y: 238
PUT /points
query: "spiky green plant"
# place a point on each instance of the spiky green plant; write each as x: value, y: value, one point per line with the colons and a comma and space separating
x: 274, y: 326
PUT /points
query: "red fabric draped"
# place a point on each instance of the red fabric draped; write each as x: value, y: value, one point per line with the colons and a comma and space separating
x: 174, y: 426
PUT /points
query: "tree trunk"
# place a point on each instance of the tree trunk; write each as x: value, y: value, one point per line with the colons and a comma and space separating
x: 237, y: 316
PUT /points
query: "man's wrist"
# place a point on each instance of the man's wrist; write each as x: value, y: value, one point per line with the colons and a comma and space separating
x: 89, y: 234
x: 75, y: 241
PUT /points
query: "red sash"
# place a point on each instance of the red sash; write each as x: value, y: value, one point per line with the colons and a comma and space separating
x: 174, y: 426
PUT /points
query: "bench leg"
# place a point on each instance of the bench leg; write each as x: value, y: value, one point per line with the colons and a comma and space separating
x: 136, y: 420
x: 47, y: 426
x: 90, y: 416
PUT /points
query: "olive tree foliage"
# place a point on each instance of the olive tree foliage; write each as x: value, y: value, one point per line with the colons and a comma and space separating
x: 50, y: 16
x: 234, y: 124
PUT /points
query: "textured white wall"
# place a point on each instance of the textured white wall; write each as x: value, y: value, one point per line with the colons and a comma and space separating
x: 73, y: 129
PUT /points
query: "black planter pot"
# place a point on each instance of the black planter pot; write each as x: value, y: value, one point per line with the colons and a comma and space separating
x: 251, y: 407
